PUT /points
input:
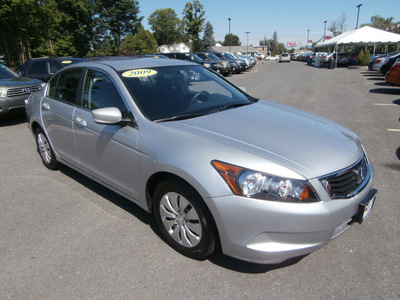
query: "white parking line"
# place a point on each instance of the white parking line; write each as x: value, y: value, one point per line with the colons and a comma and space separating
x: 393, y: 130
x: 385, y: 104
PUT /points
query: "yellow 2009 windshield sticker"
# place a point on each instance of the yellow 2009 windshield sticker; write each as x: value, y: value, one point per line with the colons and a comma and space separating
x: 66, y: 62
x: 139, y: 73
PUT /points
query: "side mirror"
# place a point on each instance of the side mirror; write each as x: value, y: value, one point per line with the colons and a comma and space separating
x: 107, y: 115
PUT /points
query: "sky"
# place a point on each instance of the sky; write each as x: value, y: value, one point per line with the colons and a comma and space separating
x: 290, y: 19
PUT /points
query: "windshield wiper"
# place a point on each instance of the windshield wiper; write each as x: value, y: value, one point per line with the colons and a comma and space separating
x: 180, y: 117
x: 229, y: 106
x: 190, y: 116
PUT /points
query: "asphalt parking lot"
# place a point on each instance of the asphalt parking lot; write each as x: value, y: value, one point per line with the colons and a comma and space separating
x: 64, y: 236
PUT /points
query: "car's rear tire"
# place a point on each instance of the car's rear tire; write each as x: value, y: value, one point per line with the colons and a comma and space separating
x: 45, y: 151
x: 183, y: 219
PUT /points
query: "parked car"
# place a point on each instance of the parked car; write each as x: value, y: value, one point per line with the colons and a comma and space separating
x: 382, y: 59
x: 216, y: 166
x: 15, y: 89
x: 272, y: 58
x: 250, y: 62
x: 284, y: 57
x: 373, y: 60
x: 393, y: 76
x: 40, y: 68
x: 388, y: 63
x: 213, y: 65
x: 346, y: 58
x: 238, y: 65
x: 225, y: 66
x: 69, y: 60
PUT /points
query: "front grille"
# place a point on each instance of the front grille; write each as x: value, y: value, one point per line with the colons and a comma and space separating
x: 348, y: 182
x: 24, y: 90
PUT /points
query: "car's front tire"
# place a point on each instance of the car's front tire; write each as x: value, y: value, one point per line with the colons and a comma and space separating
x: 46, y: 152
x: 183, y: 219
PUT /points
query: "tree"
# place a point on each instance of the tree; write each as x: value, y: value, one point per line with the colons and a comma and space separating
x: 366, y: 59
x: 142, y: 42
x: 231, y: 40
x: 166, y: 26
x: 46, y: 27
x: 338, y: 26
x: 360, y: 57
x: 115, y: 20
x: 193, y: 20
x: 208, y: 37
x: 381, y: 23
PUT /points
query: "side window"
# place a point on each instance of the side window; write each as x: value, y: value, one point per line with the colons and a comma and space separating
x: 52, y: 86
x: 54, y: 67
x: 22, y: 69
x: 99, y: 91
x: 64, y: 86
x: 38, y: 67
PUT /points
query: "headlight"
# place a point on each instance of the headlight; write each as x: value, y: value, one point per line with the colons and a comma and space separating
x: 253, y: 184
x: 207, y: 65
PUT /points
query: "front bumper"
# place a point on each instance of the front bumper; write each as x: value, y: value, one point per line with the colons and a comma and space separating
x: 10, y: 103
x: 271, y: 232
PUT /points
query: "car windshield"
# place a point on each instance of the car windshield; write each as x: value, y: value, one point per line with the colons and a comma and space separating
x: 181, y: 92
x: 7, y: 73
x: 228, y: 56
x: 210, y: 56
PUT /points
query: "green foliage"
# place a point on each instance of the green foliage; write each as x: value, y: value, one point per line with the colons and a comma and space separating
x: 208, y: 37
x: 116, y: 19
x: 360, y: 57
x: 141, y: 42
x: 166, y: 26
x: 366, y: 59
x: 193, y: 20
x: 231, y: 40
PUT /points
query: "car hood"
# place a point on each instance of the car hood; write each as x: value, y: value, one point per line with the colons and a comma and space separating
x: 305, y: 143
x: 18, y: 81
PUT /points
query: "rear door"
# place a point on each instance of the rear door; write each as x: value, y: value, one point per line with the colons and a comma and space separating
x: 57, y: 108
x: 107, y: 152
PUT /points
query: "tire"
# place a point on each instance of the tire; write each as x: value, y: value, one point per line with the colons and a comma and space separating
x: 183, y: 219
x: 45, y: 151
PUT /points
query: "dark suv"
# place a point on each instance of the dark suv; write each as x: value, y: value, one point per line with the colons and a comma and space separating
x: 238, y: 65
x: 40, y: 68
x: 189, y: 56
x: 225, y: 66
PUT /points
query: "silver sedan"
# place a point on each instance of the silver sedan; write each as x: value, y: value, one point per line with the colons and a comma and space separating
x: 218, y: 168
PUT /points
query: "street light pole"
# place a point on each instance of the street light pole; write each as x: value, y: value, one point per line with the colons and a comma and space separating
x: 358, y: 13
x: 229, y: 36
x: 324, y: 29
x: 308, y: 37
x: 247, y: 32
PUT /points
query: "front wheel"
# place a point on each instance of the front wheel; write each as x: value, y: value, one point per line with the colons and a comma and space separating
x: 46, y: 153
x: 183, y: 219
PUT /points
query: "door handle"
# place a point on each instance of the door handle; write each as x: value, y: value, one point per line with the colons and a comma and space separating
x: 80, y: 121
x: 45, y: 106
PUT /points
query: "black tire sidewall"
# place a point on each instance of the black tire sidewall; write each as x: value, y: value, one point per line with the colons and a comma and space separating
x: 207, y: 243
x: 53, y: 164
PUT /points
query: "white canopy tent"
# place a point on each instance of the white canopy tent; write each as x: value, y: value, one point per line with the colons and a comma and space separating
x: 362, y: 36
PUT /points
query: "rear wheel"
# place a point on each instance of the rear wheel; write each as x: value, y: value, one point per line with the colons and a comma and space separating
x: 183, y: 219
x: 44, y: 149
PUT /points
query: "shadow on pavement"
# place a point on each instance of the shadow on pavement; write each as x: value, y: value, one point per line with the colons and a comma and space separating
x: 13, y: 118
x: 388, y: 91
x: 248, y: 267
x: 108, y: 194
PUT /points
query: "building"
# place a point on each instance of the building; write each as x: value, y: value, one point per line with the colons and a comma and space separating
x: 180, y: 47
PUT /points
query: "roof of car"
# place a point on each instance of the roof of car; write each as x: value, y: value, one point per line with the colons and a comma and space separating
x: 126, y: 63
